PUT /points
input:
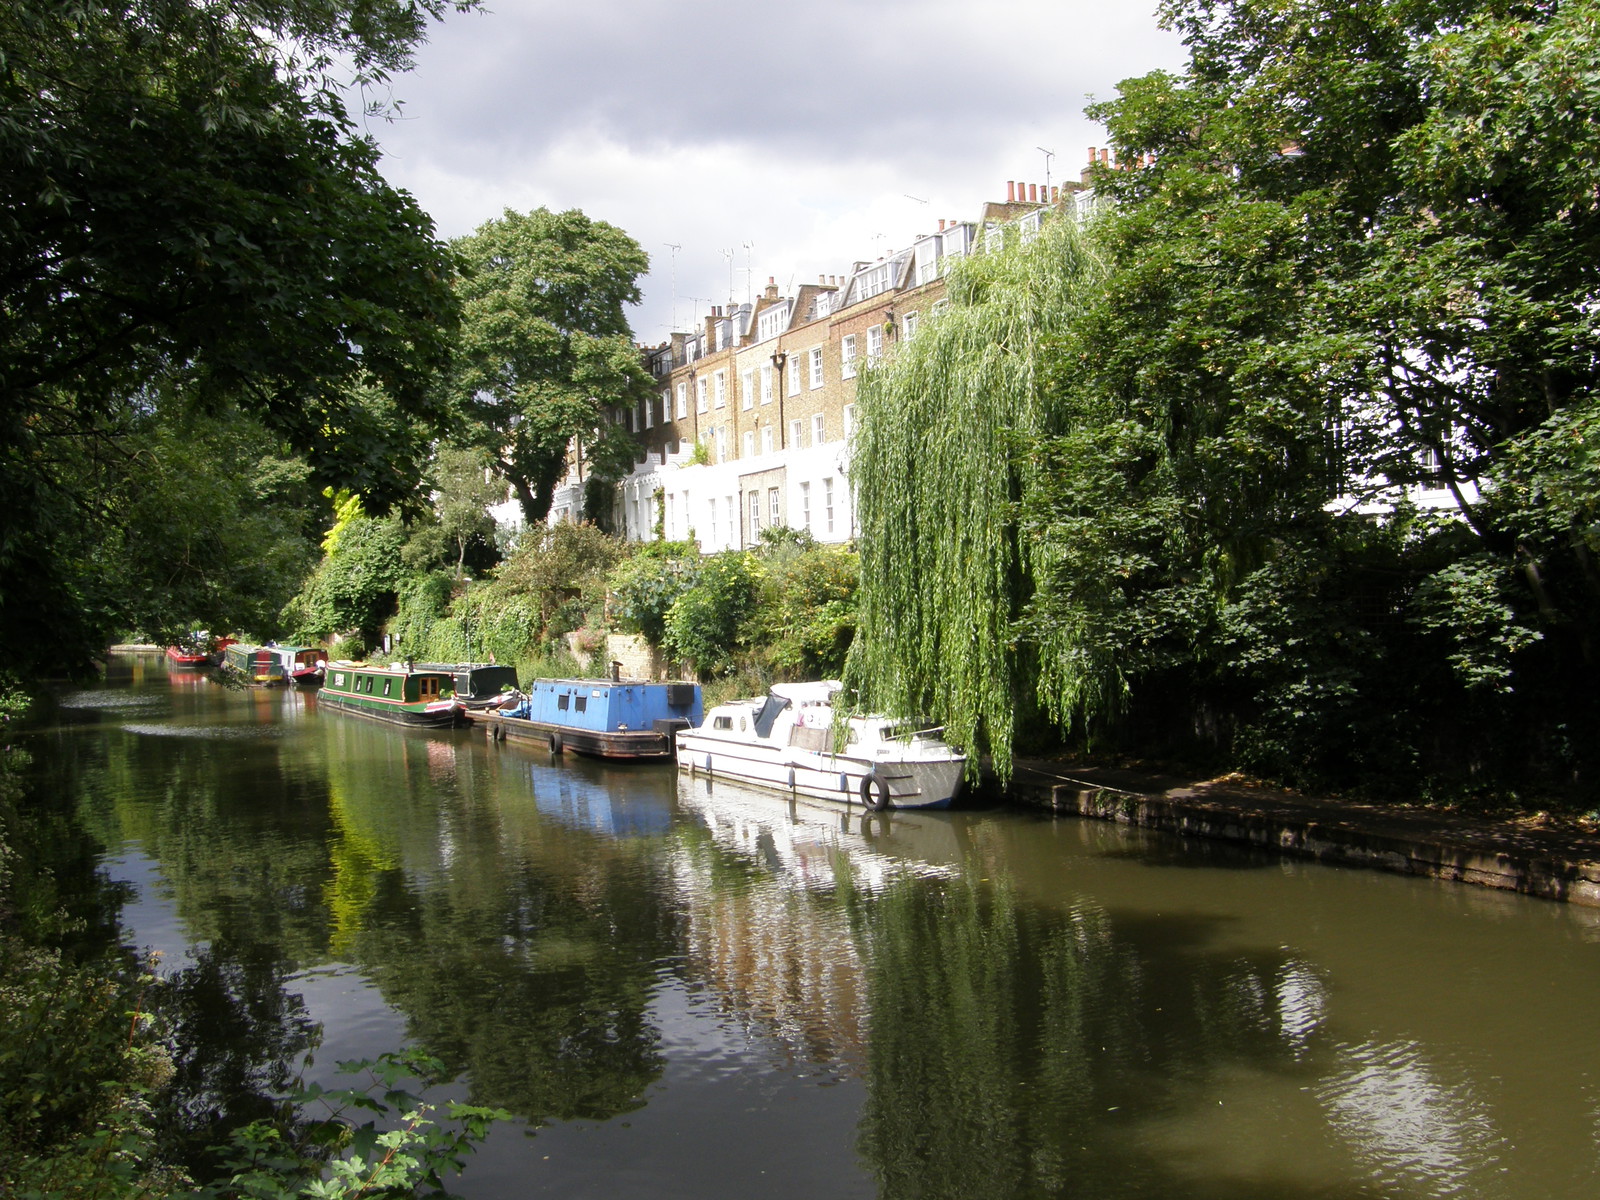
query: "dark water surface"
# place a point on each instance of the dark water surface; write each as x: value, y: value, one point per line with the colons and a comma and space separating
x: 706, y: 993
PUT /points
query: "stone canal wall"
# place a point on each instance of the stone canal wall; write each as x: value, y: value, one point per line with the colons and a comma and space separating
x: 1536, y: 857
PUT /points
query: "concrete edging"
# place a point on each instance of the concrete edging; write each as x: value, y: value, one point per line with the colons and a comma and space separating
x: 1572, y: 880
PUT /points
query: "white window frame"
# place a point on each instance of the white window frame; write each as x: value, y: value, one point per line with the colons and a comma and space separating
x: 847, y: 356
x: 766, y: 383
x: 700, y: 394
x: 849, y: 420
x: 774, y: 507
x: 797, y: 431
x: 719, y: 389
x: 819, y: 428
x: 805, y: 507
x: 794, y: 375
x: 815, y: 356
x: 683, y: 400
x: 747, y: 390
x: 755, y: 517
x: 827, y: 504
x: 908, y: 325
x: 874, y: 342
x: 766, y: 439
x: 749, y: 443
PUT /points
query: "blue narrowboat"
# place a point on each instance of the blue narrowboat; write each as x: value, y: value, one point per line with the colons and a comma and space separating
x: 607, y: 718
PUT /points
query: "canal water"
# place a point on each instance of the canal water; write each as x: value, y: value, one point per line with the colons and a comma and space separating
x: 685, y: 989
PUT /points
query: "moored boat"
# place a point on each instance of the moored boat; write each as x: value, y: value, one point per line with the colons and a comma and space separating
x: 607, y: 718
x: 186, y: 658
x: 397, y: 693
x: 302, y: 665
x: 478, y: 685
x: 785, y: 741
x: 255, y: 665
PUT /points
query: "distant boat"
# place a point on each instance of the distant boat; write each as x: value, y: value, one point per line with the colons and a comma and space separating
x: 258, y: 666
x: 785, y: 741
x: 607, y: 718
x: 399, y: 694
x: 302, y: 665
x: 186, y: 658
x: 478, y: 685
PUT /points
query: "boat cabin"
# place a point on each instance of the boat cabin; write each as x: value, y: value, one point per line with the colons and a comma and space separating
x: 255, y: 664
x: 477, y: 683
x: 610, y: 705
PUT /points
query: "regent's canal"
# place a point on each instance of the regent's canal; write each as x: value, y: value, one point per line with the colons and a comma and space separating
x: 685, y: 992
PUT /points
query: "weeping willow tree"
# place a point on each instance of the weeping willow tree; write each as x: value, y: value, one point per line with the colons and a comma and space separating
x: 954, y: 431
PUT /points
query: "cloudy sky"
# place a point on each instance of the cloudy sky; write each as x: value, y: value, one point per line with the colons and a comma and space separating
x: 741, y: 142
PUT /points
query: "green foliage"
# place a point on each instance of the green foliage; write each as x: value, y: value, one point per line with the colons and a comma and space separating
x: 645, y: 587
x: 805, y: 613
x: 705, y: 623
x: 1390, y: 285
x: 335, y: 1157
x: 1472, y: 603
x: 242, y: 250
x: 458, y: 530
x: 544, y: 347
x: 356, y: 586
x: 423, y: 605
x: 244, y: 243
x: 940, y: 465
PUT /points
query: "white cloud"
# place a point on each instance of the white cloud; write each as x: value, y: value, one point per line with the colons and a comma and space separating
x: 819, y: 134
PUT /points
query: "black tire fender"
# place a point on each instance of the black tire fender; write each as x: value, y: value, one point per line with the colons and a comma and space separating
x: 556, y: 745
x: 875, y: 791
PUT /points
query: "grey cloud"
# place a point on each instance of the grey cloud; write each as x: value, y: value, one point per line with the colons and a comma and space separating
x: 849, y: 80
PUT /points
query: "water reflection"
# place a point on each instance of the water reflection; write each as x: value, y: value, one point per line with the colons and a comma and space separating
x: 999, y: 1005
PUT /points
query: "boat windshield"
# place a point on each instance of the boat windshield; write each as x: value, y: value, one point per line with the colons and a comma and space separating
x: 769, y: 714
x: 905, y: 731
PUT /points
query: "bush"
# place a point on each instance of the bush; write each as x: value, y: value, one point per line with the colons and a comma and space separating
x: 706, y: 622
x: 644, y: 589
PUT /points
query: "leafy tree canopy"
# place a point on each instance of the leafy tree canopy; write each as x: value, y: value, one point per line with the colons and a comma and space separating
x: 545, y: 350
x: 186, y: 208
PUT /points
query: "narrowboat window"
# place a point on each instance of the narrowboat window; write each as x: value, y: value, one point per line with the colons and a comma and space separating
x: 722, y: 723
x: 338, y: 679
x: 583, y: 704
x: 386, y: 684
x: 563, y: 701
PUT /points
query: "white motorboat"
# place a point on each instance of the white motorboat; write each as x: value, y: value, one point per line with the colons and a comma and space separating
x: 786, y: 741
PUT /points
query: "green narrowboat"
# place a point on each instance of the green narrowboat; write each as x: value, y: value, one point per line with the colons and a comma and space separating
x: 396, y: 693
x: 258, y: 665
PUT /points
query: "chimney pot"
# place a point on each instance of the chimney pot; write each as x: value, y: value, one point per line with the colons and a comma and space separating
x: 1011, y: 191
x: 1033, y: 193
x: 1105, y: 156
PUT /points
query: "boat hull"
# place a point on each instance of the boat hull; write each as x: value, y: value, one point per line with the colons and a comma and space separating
x: 640, y: 745
x: 818, y: 775
x: 443, y: 715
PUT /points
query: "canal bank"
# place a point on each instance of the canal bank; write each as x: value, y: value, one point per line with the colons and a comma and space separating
x: 1536, y: 856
